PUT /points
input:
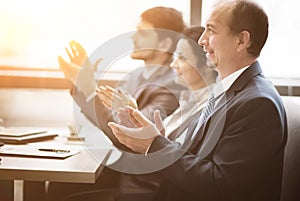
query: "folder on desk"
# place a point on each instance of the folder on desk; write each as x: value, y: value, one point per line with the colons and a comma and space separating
x: 22, y: 135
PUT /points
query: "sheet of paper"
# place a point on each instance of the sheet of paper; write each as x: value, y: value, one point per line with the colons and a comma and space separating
x: 42, y: 152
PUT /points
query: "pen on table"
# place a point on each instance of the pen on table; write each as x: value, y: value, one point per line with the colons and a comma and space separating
x: 55, y: 150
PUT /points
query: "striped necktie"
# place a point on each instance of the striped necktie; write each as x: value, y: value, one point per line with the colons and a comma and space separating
x: 207, y: 110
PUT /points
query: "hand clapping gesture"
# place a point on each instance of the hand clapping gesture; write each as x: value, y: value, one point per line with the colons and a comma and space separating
x: 79, y: 70
x: 115, y: 98
x: 140, y: 135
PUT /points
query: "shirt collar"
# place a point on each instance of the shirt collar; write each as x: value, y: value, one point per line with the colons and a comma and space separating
x: 224, y: 84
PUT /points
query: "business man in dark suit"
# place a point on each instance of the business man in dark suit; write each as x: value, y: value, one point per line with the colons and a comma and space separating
x: 234, y: 150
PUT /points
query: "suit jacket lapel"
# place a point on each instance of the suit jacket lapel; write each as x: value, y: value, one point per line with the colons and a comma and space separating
x: 213, y: 127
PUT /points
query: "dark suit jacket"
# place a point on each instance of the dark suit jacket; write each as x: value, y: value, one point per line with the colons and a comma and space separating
x: 238, y: 151
x: 158, y: 92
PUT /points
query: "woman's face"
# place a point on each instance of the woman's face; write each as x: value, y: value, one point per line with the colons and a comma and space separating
x: 185, y: 65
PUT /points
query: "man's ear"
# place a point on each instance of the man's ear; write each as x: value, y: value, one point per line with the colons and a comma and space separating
x: 166, y: 44
x: 244, y: 40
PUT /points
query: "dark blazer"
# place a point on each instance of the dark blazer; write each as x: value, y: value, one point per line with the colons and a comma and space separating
x: 158, y: 92
x: 237, y: 153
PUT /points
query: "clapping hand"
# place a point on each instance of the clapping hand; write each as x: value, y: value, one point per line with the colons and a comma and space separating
x: 79, y: 70
x: 70, y: 70
x: 78, y: 55
x: 140, y: 134
x: 115, y: 99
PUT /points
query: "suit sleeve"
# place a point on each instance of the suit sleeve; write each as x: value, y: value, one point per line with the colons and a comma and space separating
x: 157, y: 98
x: 251, y: 140
x: 98, y: 114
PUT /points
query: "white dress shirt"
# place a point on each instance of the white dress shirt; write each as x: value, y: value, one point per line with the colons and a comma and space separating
x: 221, y: 86
x: 191, y: 102
x: 224, y: 84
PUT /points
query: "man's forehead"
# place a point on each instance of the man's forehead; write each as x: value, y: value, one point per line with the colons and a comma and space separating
x: 218, y: 16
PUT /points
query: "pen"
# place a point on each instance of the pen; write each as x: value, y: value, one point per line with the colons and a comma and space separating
x: 56, y: 150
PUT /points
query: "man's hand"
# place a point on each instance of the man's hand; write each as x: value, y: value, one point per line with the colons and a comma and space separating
x: 138, y: 138
x: 79, y: 71
x: 70, y: 70
x: 115, y: 99
x: 78, y: 55
x: 126, y: 118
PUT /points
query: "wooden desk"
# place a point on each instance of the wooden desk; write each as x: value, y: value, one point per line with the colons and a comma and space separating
x: 84, y: 167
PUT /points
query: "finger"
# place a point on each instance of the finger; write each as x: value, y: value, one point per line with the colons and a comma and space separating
x: 158, y: 122
x: 73, y: 48
x: 79, y: 47
x: 107, y: 105
x: 118, y: 98
x: 103, y: 96
x: 101, y: 88
x: 133, y: 103
x: 109, y: 88
x: 109, y: 92
x: 69, y: 54
x: 61, y: 60
x: 141, y: 118
x: 124, y: 118
x: 106, y: 89
x: 130, y: 111
x: 62, y: 65
x: 125, y: 122
x: 116, y: 131
x: 105, y: 93
x: 105, y: 102
x: 123, y: 95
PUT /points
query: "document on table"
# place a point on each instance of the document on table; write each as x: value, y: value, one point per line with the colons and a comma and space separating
x: 20, y: 131
x: 22, y: 135
x: 41, y: 152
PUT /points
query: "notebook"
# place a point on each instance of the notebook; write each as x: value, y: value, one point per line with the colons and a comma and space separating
x: 22, y: 135
x: 19, y: 131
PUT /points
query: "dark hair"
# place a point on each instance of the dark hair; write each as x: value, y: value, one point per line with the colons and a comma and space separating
x: 164, y: 18
x: 248, y: 16
x: 193, y: 34
x: 168, y: 19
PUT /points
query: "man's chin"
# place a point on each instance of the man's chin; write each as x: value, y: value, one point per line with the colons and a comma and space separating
x: 137, y: 56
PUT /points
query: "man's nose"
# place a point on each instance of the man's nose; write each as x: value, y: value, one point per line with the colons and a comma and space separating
x: 174, y: 63
x: 203, y: 40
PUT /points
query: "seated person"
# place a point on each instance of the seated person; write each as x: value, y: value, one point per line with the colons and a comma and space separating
x: 192, y: 72
x: 152, y: 86
x: 235, y: 149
